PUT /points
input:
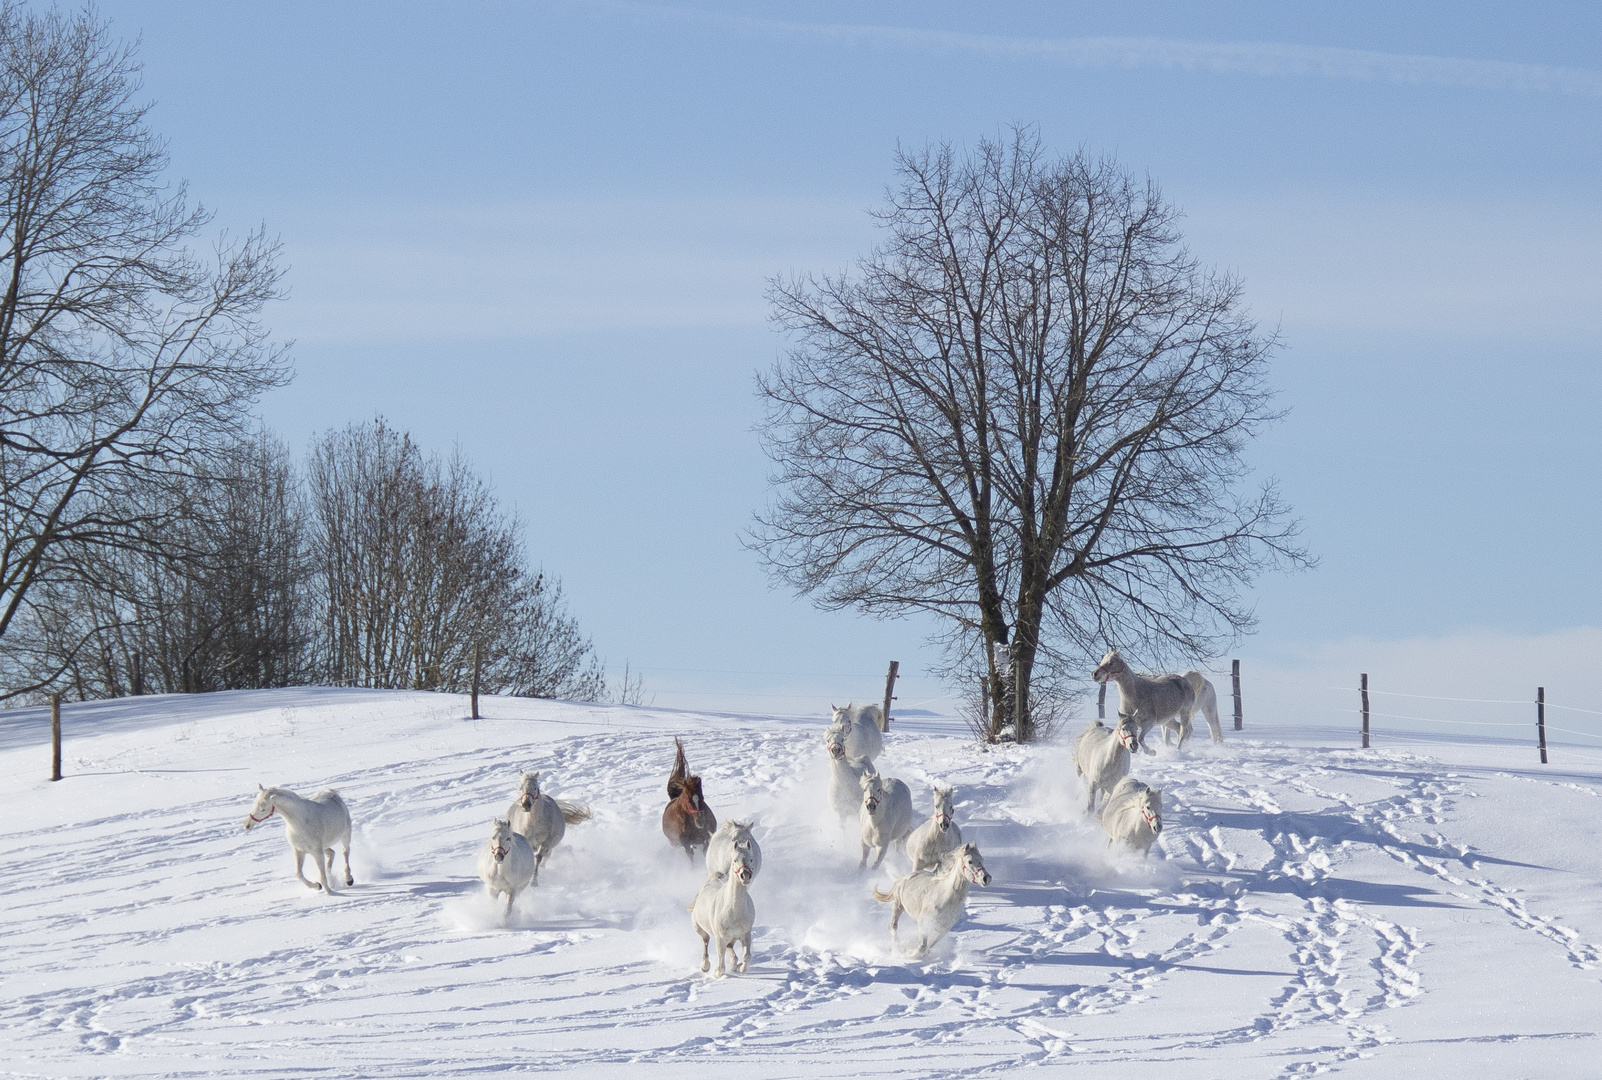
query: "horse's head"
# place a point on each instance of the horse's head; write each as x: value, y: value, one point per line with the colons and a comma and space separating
x: 264, y: 807
x: 1151, y: 809
x: 971, y: 866
x: 528, y: 791
x: 500, y: 838
x: 872, y: 791
x: 692, y: 796
x: 942, y: 806
x: 742, y: 868
x: 1112, y: 665
x: 1128, y: 730
x: 834, y: 743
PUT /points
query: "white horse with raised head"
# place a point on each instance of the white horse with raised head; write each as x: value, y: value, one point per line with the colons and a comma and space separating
x: 506, y: 863
x: 854, y: 732
x: 542, y: 820
x: 940, y: 834
x: 935, y: 898
x: 313, y: 825
x: 1149, y: 699
x: 733, y: 840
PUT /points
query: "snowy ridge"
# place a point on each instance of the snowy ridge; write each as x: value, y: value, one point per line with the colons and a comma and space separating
x: 1314, y: 910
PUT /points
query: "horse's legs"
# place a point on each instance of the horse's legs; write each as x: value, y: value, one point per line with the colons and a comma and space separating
x: 706, y: 961
x: 745, y: 963
x: 300, y: 864
x: 883, y: 851
x: 721, y: 946
x: 348, y: 879
x: 325, y: 863
x: 864, y: 861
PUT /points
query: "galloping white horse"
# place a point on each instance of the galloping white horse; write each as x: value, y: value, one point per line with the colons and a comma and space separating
x: 542, y: 820
x: 854, y: 733
x: 723, y: 911
x: 506, y: 863
x: 936, y: 898
x: 936, y: 836
x: 313, y: 825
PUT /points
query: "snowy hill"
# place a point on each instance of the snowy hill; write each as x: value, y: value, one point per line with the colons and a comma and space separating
x: 1309, y: 906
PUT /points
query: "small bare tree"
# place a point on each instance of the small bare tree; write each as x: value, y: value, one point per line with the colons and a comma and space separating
x: 1024, y: 414
x: 417, y: 566
x: 127, y: 357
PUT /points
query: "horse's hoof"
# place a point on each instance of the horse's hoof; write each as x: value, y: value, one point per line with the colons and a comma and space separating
x: 350, y: 881
x: 706, y: 966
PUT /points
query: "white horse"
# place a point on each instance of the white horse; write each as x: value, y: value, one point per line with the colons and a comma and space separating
x: 1101, y: 757
x: 886, y: 815
x: 936, y: 898
x: 1133, y: 815
x: 1151, y: 700
x: 314, y: 825
x: 940, y: 834
x: 723, y: 911
x: 733, y: 839
x: 845, y: 786
x: 542, y: 820
x: 1206, y: 701
x: 854, y: 733
x: 506, y: 863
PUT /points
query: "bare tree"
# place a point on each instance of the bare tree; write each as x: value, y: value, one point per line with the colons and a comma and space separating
x: 418, y: 568
x: 127, y: 357
x: 1024, y: 413
x: 220, y: 602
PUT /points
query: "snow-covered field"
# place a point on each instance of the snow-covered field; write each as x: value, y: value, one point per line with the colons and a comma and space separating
x: 1310, y: 906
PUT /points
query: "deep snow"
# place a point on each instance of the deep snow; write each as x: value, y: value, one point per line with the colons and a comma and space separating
x: 1309, y: 907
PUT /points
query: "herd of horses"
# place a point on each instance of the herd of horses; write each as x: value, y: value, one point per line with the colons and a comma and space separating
x: 933, y: 893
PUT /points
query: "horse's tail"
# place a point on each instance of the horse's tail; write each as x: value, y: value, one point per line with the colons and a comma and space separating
x: 681, y: 770
x: 884, y: 897
x: 1197, y: 681
x: 573, y: 813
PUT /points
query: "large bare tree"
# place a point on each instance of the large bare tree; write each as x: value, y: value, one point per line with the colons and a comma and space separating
x: 1023, y: 413
x: 131, y: 348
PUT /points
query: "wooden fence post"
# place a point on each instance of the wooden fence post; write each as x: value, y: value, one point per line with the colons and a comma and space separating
x: 889, y: 694
x: 984, y: 701
x: 1540, y: 720
x: 1234, y: 675
x: 55, y: 736
x: 1101, y: 702
x: 1365, y: 710
x: 478, y: 653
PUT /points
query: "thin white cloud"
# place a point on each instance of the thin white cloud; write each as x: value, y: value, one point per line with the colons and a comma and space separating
x: 1225, y: 58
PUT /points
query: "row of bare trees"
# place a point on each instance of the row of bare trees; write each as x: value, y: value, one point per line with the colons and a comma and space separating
x: 381, y: 567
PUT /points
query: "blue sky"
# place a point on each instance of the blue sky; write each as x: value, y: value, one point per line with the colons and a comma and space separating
x: 542, y: 231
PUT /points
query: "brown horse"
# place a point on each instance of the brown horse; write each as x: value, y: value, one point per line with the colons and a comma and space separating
x: 688, y: 821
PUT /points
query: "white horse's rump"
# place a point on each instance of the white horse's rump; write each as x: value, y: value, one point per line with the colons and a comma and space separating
x: 542, y: 820
x: 935, y: 898
x: 1101, y: 757
x: 506, y: 863
x: 938, y: 835
x: 313, y: 825
x: 1133, y: 815
x: 886, y: 816
x: 854, y: 733
x: 1206, y: 701
x: 723, y: 911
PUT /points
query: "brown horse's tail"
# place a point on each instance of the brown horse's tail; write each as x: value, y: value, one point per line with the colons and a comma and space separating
x: 681, y: 770
x: 884, y: 897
